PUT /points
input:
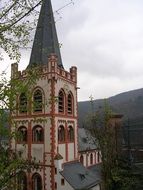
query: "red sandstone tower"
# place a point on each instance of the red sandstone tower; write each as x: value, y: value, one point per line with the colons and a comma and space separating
x: 48, y: 122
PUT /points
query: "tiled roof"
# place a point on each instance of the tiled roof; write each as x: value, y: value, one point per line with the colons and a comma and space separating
x: 80, y: 177
x: 85, y: 140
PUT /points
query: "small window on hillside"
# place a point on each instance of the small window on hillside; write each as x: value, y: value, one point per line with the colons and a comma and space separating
x: 38, y: 134
x: 37, y: 101
x: 61, y: 101
x: 23, y: 103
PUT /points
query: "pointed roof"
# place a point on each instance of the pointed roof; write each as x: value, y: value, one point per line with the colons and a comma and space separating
x: 46, y: 40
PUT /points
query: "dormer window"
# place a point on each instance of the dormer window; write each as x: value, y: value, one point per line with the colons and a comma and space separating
x: 37, y: 101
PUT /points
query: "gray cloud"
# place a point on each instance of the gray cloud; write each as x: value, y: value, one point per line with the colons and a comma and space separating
x: 104, y: 39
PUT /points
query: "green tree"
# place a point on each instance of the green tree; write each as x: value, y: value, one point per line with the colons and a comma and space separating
x: 17, y: 19
x: 11, y: 162
x: 105, y: 127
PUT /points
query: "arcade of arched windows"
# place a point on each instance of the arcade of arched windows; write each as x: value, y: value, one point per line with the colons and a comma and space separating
x: 37, y: 102
x: 65, y: 134
x: 37, y: 134
x: 65, y: 102
x: 89, y: 159
x: 36, y: 181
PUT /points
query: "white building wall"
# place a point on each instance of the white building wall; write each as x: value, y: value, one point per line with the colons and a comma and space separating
x: 62, y: 151
x: 37, y: 152
x: 23, y: 148
x: 71, y: 151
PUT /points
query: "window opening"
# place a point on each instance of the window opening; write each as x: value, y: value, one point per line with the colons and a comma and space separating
x: 70, y: 133
x: 70, y: 104
x: 38, y: 134
x: 61, y: 102
x: 22, y: 134
x: 37, y: 182
x: 37, y: 100
x: 23, y: 103
x: 61, y: 134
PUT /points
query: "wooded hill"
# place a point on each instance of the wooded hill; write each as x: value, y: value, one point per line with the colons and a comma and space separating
x: 130, y: 104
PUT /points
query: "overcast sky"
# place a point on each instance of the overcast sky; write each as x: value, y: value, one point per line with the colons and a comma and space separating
x: 104, y: 39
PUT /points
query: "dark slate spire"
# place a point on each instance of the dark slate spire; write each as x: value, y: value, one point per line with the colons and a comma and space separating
x: 45, y: 41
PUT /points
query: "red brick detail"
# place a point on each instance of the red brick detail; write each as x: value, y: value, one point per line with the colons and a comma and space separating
x: 52, y: 133
x: 29, y: 142
x: 43, y: 115
x: 66, y: 141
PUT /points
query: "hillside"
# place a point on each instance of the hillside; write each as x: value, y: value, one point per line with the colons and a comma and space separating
x: 130, y: 104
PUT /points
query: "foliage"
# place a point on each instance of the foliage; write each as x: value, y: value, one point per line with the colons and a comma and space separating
x: 11, y: 162
x: 11, y: 165
x: 17, y: 20
x: 116, y: 172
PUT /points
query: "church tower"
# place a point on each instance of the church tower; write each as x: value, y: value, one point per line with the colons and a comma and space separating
x: 47, y: 122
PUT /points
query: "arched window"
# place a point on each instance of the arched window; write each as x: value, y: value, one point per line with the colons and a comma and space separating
x: 61, y: 133
x: 98, y: 157
x: 70, y: 133
x: 37, y: 101
x: 95, y: 158
x: 22, y: 181
x: 61, y: 101
x: 82, y: 159
x: 23, y: 103
x: 38, y: 134
x: 70, y: 104
x: 91, y: 158
x: 36, y: 182
x: 22, y: 134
